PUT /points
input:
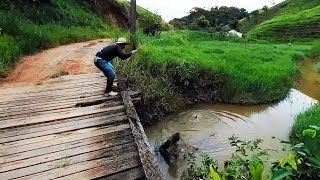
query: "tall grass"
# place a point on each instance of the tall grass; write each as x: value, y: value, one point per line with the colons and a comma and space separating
x: 191, y: 66
x: 303, y: 122
x: 28, y: 28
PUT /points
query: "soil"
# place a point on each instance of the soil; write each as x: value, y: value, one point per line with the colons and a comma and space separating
x: 74, y: 58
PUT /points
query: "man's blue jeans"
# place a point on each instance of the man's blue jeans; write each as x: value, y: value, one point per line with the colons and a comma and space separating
x: 108, y: 70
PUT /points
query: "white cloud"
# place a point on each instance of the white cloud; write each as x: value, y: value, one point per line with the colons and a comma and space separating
x: 170, y: 9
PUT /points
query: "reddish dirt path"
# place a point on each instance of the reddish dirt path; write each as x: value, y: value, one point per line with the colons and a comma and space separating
x: 74, y: 58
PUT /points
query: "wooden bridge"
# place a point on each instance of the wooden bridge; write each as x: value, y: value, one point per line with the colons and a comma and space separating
x: 65, y: 128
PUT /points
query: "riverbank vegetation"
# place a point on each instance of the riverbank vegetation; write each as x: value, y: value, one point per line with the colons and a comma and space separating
x: 250, y: 161
x: 183, y: 67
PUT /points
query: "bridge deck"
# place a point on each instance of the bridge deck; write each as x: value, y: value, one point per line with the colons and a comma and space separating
x: 66, y: 128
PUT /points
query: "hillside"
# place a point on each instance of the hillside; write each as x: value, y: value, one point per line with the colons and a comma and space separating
x: 288, y: 7
x: 27, y: 26
x: 303, y: 25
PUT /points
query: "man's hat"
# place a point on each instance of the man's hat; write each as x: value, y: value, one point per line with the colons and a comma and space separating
x: 122, y: 41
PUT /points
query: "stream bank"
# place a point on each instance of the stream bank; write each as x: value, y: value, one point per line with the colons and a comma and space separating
x: 208, y: 126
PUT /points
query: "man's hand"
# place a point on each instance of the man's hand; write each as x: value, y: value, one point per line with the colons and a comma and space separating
x: 134, y: 52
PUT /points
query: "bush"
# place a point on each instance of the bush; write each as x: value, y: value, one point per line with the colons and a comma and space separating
x: 9, y: 53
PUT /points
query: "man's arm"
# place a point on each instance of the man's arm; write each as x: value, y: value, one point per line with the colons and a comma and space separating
x: 122, y: 55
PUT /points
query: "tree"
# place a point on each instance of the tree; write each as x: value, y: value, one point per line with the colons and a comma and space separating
x: 265, y: 8
x: 254, y: 13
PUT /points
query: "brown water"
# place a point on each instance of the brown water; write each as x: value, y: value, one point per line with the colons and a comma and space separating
x: 208, y: 126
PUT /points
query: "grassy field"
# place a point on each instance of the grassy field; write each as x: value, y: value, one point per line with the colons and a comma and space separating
x: 303, y: 25
x: 185, y: 67
x: 288, y: 7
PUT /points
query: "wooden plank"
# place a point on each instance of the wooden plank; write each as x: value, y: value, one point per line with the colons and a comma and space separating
x: 113, y: 161
x: 42, y: 89
x: 97, y: 173
x: 132, y: 174
x: 149, y: 162
x: 53, y: 117
x: 77, y: 96
x: 48, y: 107
x: 21, y: 154
x: 52, y: 92
x: 87, y: 123
x: 36, y: 143
x: 31, y: 165
x: 24, y: 130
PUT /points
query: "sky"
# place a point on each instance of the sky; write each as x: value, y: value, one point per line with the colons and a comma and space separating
x: 170, y: 9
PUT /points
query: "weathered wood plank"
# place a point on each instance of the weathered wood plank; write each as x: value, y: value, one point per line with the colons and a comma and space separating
x: 53, y: 92
x: 53, y: 117
x: 44, y: 162
x: 99, y: 174
x: 113, y: 162
x: 13, y: 113
x: 71, y: 163
x: 76, y: 97
x: 36, y: 143
x: 21, y: 154
x: 24, y: 130
x: 88, y: 123
x: 149, y: 163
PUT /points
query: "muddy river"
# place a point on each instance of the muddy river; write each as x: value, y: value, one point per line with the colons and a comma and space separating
x: 208, y: 126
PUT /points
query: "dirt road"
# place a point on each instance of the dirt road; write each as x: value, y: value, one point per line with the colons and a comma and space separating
x: 74, y: 58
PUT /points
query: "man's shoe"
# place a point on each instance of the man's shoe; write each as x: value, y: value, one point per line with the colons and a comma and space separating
x: 111, y: 93
x: 115, y: 84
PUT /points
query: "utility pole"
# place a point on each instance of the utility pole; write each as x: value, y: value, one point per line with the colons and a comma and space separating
x: 133, y: 23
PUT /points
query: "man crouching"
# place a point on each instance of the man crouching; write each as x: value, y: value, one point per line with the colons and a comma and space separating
x: 105, y: 56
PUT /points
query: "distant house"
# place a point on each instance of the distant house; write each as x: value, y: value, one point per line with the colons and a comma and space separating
x: 235, y: 33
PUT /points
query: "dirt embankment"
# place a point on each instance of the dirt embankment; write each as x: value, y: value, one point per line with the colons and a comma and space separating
x: 74, y: 58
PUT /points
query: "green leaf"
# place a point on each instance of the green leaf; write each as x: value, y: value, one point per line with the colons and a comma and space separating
x: 214, y: 174
x: 300, y: 145
x: 315, y: 161
x: 309, y: 132
x: 280, y: 174
x: 314, y: 127
x: 256, y: 170
x: 292, y: 162
x: 283, y: 161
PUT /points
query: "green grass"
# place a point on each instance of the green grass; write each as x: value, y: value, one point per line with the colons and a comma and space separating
x: 288, y: 7
x: 303, y: 122
x: 29, y: 28
x: 191, y: 66
x: 299, y: 26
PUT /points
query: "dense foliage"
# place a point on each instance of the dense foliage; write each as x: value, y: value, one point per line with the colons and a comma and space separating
x: 210, y: 20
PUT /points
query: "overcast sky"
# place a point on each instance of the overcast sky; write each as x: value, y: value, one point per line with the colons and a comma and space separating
x: 170, y: 9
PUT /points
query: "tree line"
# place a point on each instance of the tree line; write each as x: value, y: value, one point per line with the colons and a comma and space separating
x: 213, y: 20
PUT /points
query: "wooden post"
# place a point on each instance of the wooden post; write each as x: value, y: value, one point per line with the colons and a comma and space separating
x: 133, y: 23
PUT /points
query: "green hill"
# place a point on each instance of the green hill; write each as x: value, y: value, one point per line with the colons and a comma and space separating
x: 303, y: 25
x: 289, y: 20
x: 27, y: 26
x: 284, y: 8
